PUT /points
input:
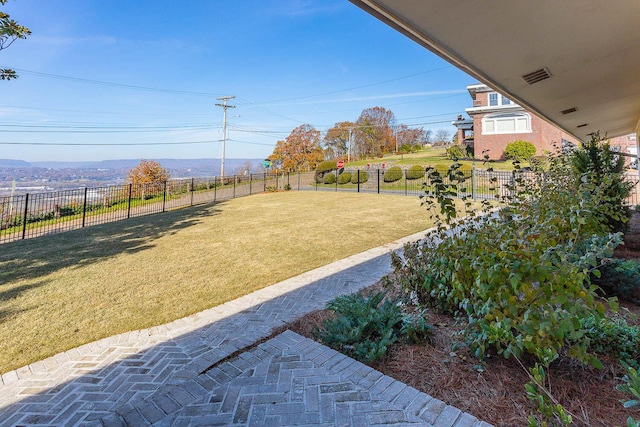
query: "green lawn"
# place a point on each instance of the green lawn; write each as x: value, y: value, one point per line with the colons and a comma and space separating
x: 61, y: 291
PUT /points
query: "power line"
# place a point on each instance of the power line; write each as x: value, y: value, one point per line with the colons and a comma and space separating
x: 359, y: 87
x: 252, y: 143
x: 103, y: 83
x: 84, y: 144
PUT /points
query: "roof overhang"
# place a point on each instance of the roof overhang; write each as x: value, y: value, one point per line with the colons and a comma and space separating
x: 590, y: 49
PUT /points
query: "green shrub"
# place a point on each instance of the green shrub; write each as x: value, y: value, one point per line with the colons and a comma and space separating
x: 365, y: 327
x: 394, y: 173
x: 415, y: 172
x: 456, y: 152
x: 359, y: 176
x: 515, y: 277
x: 519, y: 150
x: 444, y: 170
x: 613, y: 336
x: 329, y: 178
x: 620, y: 278
x: 323, y: 168
x: 602, y: 170
x: 326, y: 166
x: 344, y: 178
x: 539, y: 163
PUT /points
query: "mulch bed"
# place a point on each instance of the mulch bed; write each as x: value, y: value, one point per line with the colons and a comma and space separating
x: 494, y: 391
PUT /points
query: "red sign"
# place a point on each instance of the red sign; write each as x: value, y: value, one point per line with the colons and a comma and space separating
x: 340, y: 164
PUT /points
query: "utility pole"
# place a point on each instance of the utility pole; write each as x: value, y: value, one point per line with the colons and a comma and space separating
x: 224, y: 106
x: 349, y: 145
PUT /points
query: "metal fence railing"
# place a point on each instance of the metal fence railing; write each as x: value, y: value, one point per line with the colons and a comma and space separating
x: 37, y: 214
x: 478, y: 183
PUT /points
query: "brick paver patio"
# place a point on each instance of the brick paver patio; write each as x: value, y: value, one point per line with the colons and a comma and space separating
x: 205, y: 369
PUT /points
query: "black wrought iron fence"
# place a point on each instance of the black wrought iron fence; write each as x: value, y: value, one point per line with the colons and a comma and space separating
x: 37, y: 214
x: 477, y: 183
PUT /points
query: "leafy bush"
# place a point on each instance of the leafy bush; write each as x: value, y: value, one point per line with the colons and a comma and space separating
x: 519, y: 150
x: 359, y: 175
x: 462, y: 168
x: 323, y: 168
x: 415, y: 172
x: 394, y: 173
x: 516, y: 276
x: 602, y: 170
x: 365, y: 327
x: 344, y: 178
x: 326, y: 166
x: 539, y: 163
x: 456, y: 152
x: 620, y: 278
x: 329, y: 178
x: 613, y: 336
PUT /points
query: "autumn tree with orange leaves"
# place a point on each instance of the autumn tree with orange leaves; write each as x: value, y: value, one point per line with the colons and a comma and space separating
x: 336, y: 140
x: 300, y: 151
x: 148, y: 177
x: 373, y: 134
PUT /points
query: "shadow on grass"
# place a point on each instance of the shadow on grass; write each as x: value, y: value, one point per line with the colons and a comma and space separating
x: 34, y: 258
x: 178, y: 369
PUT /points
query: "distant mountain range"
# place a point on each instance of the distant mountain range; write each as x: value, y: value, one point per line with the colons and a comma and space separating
x: 179, y: 164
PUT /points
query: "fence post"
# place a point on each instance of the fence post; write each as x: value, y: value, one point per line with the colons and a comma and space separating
x: 234, y: 186
x: 298, y: 180
x: 215, y: 188
x: 129, y: 202
x: 250, y: 182
x: 378, y: 181
x: 277, y: 180
x: 405, y: 182
x: 358, y: 178
x: 24, y: 217
x: 164, y: 195
x: 84, y: 206
x: 474, y: 183
x: 193, y: 189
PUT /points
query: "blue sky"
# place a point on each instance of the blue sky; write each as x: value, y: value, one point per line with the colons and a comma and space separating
x: 148, y: 72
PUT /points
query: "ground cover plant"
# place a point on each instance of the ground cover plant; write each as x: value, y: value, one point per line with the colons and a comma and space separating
x: 524, y: 336
x: 63, y: 290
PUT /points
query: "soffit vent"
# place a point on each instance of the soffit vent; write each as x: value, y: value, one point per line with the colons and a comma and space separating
x: 537, y: 76
x: 569, y: 110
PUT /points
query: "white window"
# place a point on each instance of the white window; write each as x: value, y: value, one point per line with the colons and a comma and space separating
x: 496, y: 99
x: 506, y: 123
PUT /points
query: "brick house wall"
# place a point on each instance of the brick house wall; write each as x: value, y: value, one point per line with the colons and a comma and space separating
x: 541, y: 134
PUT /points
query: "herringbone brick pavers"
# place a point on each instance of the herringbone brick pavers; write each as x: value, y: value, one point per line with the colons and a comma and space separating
x: 142, y: 376
x: 289, y: 381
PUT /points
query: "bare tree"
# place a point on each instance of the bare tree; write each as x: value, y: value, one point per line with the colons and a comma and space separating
x: 442, y: 137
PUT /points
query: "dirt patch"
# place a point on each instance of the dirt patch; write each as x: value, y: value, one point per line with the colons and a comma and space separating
x: 494, y: 391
